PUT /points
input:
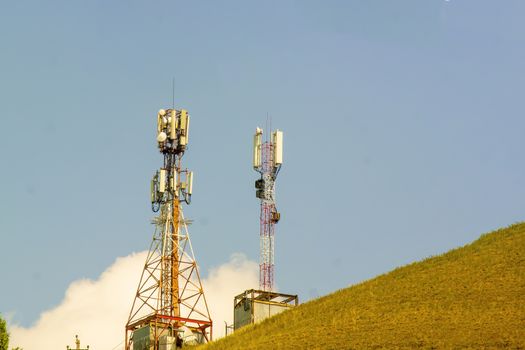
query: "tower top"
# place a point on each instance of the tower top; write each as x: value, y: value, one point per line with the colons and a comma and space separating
x: 276, y: 145
x: 172, y: 130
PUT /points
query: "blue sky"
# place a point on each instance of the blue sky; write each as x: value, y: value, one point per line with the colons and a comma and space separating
x: 403, y: 129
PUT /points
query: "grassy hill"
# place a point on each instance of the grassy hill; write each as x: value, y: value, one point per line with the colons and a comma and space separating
x: 469, y: 298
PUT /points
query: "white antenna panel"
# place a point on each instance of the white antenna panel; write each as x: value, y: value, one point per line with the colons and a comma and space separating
x: 162, y: 181
x: 183, y: 119
x: 187, y: 128
x: 257, y: 141
x: 152, y: 188
x: 183, y: 127
x: 277, y: 147
x: 173, y: 181
x: 189, y: 180
x: 173, y: 125
x: 159, y: 123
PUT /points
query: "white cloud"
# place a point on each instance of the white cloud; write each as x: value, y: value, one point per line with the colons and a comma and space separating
x: 225, y: 282
x: 98, y: 310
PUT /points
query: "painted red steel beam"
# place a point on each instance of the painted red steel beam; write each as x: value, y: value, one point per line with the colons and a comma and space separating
x: 175, y: 318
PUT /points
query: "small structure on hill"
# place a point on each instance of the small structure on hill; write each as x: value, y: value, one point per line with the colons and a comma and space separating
x: 77, y: 345
x: 253, y: 306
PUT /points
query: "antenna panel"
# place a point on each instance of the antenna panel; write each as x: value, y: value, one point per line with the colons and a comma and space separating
x: 257, y: 142
x: 277, y: 147
x: 173, y: 181
x: 162, y: 181
x: 173, y: 125
x: 189, y: 180
x: 153, y: 189
x: 187, y: 128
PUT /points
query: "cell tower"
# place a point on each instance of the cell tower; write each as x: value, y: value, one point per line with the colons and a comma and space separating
x: 169, y: 308
x: 267, y: 160
x: 253, y: 306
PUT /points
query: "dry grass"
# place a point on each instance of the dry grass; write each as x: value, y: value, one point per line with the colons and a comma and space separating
x: 469, y: 298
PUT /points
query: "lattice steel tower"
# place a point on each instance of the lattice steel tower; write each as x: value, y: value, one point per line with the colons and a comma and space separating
x: 169, y: 308
x: 267, y: 160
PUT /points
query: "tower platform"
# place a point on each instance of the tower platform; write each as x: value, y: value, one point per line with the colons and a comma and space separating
x: 253, y: 306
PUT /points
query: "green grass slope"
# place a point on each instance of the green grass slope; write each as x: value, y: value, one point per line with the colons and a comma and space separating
x: 469, y: 298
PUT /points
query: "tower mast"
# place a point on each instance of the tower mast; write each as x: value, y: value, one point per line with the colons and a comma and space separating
x: 267, y: 161
x: 169, y: 306
x: 253, y: 306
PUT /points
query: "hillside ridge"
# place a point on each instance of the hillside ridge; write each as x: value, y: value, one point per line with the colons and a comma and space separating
x: 472, y: 297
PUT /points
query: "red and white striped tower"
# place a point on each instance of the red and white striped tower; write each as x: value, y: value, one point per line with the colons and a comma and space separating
x: 267, y: 161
